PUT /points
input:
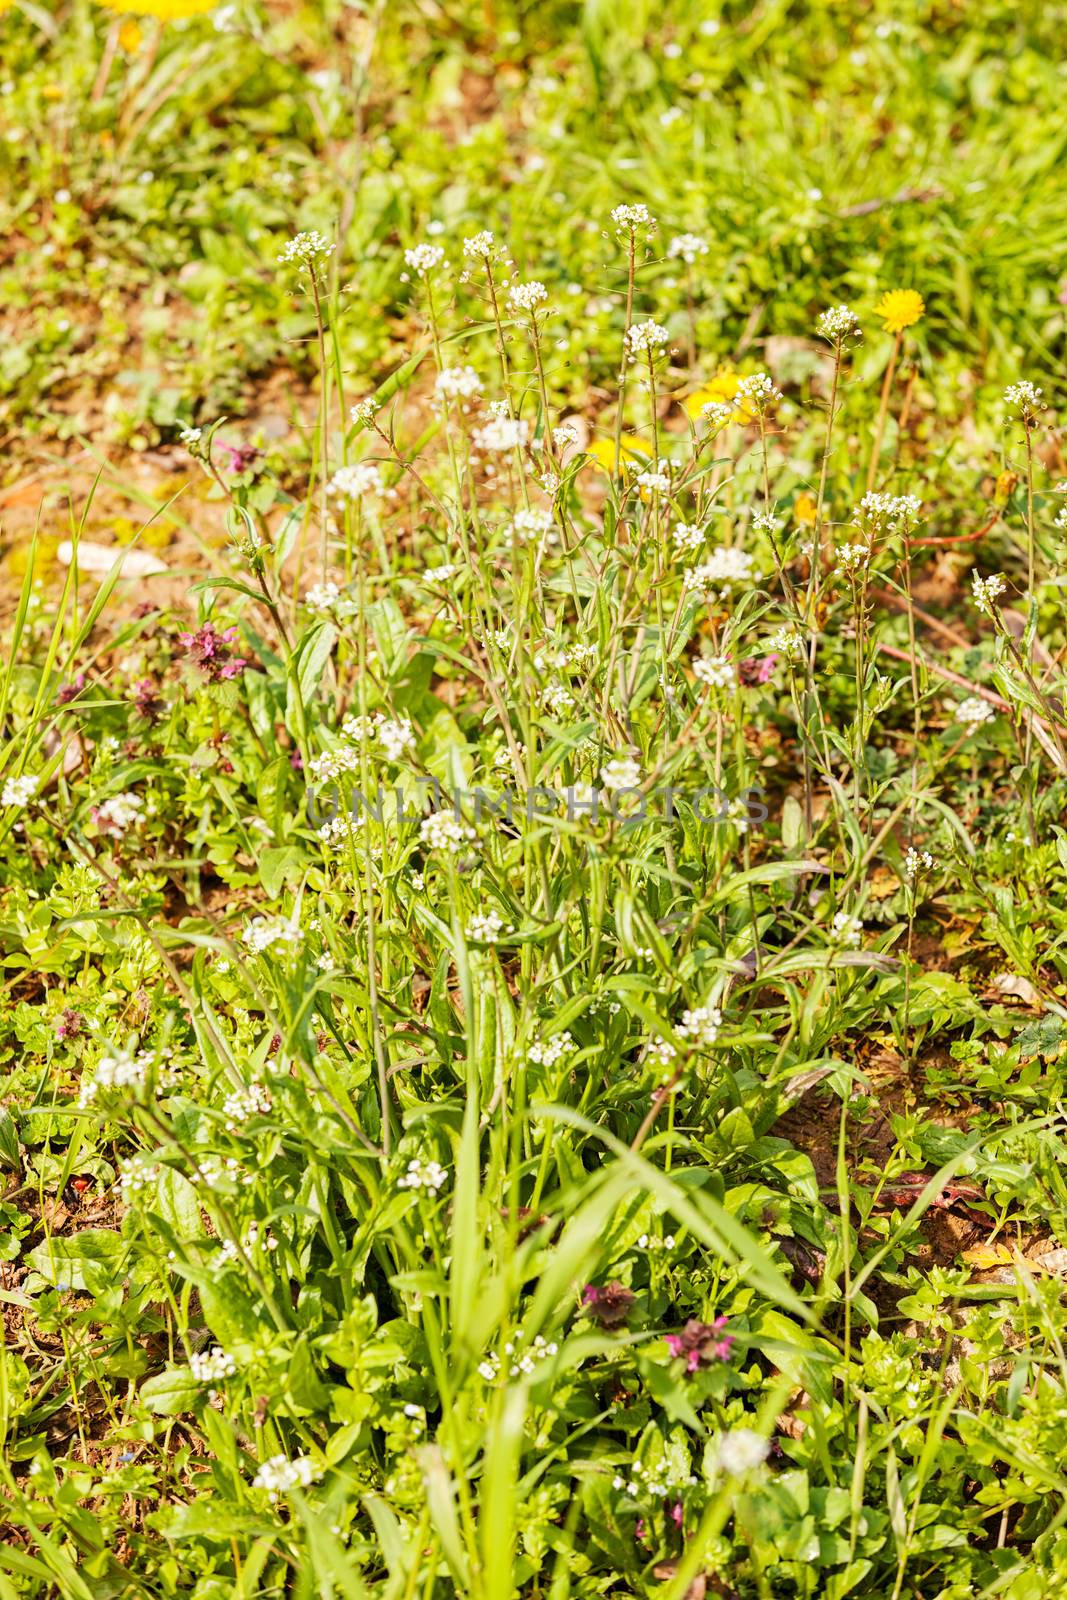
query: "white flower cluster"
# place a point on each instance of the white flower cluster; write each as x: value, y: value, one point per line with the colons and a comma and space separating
x: 263, y: 932
x: 916, y: 861
x: 622, y: 772
x: 19, y: 791
x: 788, y: 642
x: 654, y: 1483
x: 443, y: 830
x: 522, y: 1363
x: 338, y: 830
x: 655, y: 480
x: 137, y: 1173
x: 212, y: 1366
x: 717, y: 413
x: 851, y: 558
x: 432, y: 1176
x: 647, y: 337
x: 534, y: 523
x: 423, y: 258
x: 838, y: 324
x: 716, y: 671
x: 485, y: 927
x: 363, y: 411
x: 700, y: 1025
x: 757, y: 390
x: 501, y: 432
x: 725, y: 565
x: 687, y: 538
x: 356, y: 482
x: 327, y: 598
x: 973, y: 712
x: 119, y: 1071
x: 1026, y: 397
x: 846, y: 930
x: 253, y: 1101
x: 218, y: 1172
x: 687, y: 247
x: 559, y: 699
x: 649, y: 1241
x: 630, y: 217
x: 985, y: 591
x: 527, y: 296
x: 306, y: 249
x: 278, y: 1475
x: 251, y: 1242
x: 888, y: 511
x: 741, y: 1450
x: 546, y: 1054
x: 480, y: 245
x: 458, y: 383
x: 120, y: 813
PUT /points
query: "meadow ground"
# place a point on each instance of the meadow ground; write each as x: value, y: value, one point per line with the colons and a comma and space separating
x: 533, y: 754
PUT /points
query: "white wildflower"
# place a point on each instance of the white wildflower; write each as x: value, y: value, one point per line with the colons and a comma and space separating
x: 716, y: 671
x: 430, y: 1176
x: 741, y: 1450
x: 424, y: 258
x: 973, y: 712
x: 356, y: 482
x: 527, y: 296
x: 443, y: 830
x: 1027, y: 399
x: 917, y: 861
x: 306, y: 250
x: 688, y: 247
x: 647, y: 337
x: 19, y: 791
x: 458, y: 383
x: 629, y: 218
x: 838, y: 324
x: 623, y: 772
x: 278, y: 1475
x: 985, y: 591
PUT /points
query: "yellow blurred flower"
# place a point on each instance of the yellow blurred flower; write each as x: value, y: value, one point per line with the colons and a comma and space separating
x: 130, y: 37
x: 164, y: 10
x: 900, y: 309
x: 631, y: 448
x: 722, y: 387
x: 806, y: 509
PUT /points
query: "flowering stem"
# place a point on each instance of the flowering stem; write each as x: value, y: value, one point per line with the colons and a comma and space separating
x: 324, y: 422
x: 883, y: 411
x: 630, y: 275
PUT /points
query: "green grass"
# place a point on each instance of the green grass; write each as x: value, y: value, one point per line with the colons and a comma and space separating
x: 375, y: 1192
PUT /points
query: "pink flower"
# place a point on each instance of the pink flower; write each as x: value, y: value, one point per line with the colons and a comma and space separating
x: 211, y: 652
x: 701, y: 1343
x: 757, y: 669
x: 242, y: 456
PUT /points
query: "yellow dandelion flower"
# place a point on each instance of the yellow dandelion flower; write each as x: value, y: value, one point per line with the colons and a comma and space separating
x: 130, y: 37
x: 631, y: 448
x: 900, y: 309
x: 163, y: 10
x: 722, y: 387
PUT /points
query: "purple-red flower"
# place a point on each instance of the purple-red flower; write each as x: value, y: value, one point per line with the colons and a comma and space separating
x: 70, y: 1024
x: 147, y: 699
x: 701, y: 1343
x: 70, y: 691
x: 242, y: 456
x: 609, y: 1305
x: 211, y: 652
x: 757, y: 669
